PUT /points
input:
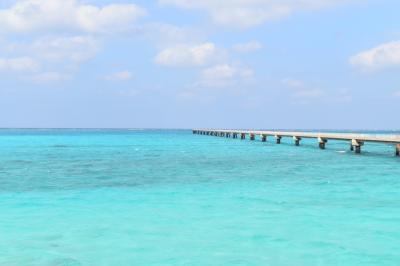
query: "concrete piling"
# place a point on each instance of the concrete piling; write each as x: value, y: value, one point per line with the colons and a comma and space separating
x: 358, y: 149
x: 322, y: 143
x: 263, y: 137
x: 252, y: 136
x: 296, y: 140
x: 356, y: 144
x: 278, y: 139
x: 398, y: 150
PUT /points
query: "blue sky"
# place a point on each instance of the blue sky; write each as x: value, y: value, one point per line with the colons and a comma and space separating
x: 327, y: 64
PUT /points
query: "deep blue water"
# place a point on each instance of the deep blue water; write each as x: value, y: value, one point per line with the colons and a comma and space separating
x: 134, y: 197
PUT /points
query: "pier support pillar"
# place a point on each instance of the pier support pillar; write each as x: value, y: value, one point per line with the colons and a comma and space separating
x: 358, y: 149
x: 356, y: 145
x: 398, y: 150
x: 234, y: 136
x: 278, y: 139
x: 263, y: 138
x: 252, y: 137
x: 322, y: 143
x: 228, y: 135
x: 296, y: 140
x: 242, y: 136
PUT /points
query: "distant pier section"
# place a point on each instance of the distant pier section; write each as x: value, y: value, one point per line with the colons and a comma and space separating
x: 356, y: 141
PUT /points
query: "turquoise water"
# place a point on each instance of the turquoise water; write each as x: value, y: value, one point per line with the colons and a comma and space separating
x: 73, y: 197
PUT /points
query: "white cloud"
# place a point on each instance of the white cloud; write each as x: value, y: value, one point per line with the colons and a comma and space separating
x: 225, y: 75
x: 119, y: 76
x: 186, y: 55
x: 247, y: 13
x: 343, y: 96
x: 302, y: 91
x: 18, y: 64
x: 167, y: 35
x: 187, y: 95
x: 247, y: 47
x: 293, y: 83
x: 54, y: 55
x: 382, y: 56
x: 308, y: 94
x: 38, y: 15
x: 59, y: 35
x: 49, y: 77
x: 76, y: 49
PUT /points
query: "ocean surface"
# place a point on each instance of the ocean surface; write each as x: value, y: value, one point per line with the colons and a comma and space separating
x: 136, y: 197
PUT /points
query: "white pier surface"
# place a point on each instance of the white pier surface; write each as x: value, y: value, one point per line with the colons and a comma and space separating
x: 355, y: 140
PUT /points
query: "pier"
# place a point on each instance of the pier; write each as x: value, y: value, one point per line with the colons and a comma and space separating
x: 356, y: 141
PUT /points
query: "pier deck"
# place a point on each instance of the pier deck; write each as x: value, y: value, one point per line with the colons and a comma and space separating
x: 355, y: 140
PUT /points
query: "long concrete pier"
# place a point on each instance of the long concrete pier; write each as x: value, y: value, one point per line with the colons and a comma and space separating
x: 356, y: 141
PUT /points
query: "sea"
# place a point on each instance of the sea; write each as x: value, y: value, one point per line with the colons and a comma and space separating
x: 71, y: 197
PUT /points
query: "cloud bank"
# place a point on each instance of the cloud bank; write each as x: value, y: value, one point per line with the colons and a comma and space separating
x: 61, y: 15
x: 248, y: 13
x: 225, y: 75
x: 187, y: 55
x: 18, y: 64
x: 248, y: 47
x: 119, y: 76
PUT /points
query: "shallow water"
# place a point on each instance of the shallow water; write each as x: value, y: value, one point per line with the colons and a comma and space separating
x: 126, y: 197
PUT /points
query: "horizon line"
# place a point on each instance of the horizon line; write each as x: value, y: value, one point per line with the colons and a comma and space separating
x: 155, y: 128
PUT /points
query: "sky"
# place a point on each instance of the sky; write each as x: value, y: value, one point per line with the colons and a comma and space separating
x: 262, y: 64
